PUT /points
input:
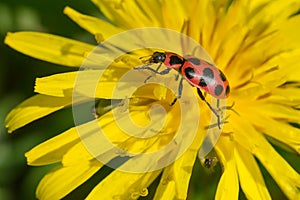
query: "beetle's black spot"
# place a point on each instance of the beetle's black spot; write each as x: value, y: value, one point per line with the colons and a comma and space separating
x: 195, y: 61
x: 218, y: 90
x: 208, y: 73
x: 222, y: 76
x: 227, y: 90
x: 202, y: 83
x: 175, y: 60
x: 189, y: 72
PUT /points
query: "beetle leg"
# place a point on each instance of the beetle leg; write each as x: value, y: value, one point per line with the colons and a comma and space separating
x: 180, y: 87
x: 177, y: 76
x: 173, y: 102
x: 210, y: 107
x: 155, y: 71
x: 146, y: 67
x: 166, y: 71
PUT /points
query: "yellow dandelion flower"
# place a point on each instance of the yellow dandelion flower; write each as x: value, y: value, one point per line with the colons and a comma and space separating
x: 255, y: 43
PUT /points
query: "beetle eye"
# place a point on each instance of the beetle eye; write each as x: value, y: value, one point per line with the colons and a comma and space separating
x: 161, y: 57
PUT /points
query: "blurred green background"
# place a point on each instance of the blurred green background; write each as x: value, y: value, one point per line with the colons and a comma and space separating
x: 17, y: 76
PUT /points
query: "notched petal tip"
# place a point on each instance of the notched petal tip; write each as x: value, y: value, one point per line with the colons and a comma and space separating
x: 6, y: 39
x: 99, y: 37
x: 9, y: 129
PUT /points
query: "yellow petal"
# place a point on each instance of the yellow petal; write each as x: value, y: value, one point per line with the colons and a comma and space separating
x: 131, y: 14
x: 92, y: 24
x: 166, y: 189
x: 74, y: 145
x: 51, y: 48
x: 206, y: 9
x: 228, y: 32
x: 67, y: 147
x: 34, y: 108
x: 278, y: 111
x: 123, y: 185
x: 102, y: 138
x: 62, y: 180
x: 276, y: 129
x: 268, y: 81
x: 76, y: 154
x: 228, y: 187
x: 58, y: 85
x: 291, y: 94
x: 251, y: 179
x: 267, y: 50
x: 287, y: 62
x: 54, y: 149
x: 85, y: 83
x: 95, y: 142
x: 88, y: 84
x: 286, y: 177
x: 249, y: 93
x: 264, y: 12
x: 291, y: 29
x: 175, y: 179
x: 179, y: 7
x: 264, y: 36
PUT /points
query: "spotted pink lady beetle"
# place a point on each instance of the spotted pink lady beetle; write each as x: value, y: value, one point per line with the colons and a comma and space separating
x: 199, y: 73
